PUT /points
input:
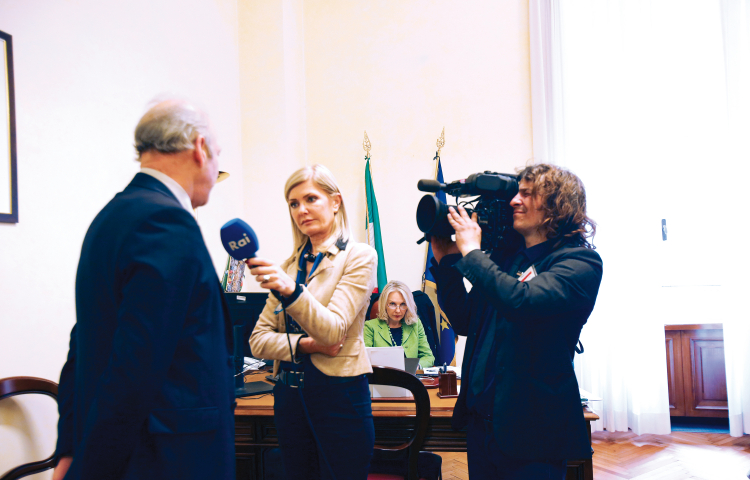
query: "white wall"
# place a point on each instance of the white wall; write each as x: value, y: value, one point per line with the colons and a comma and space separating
x: 400, y: 70
x: 273, y: 119
x: 84, y: 73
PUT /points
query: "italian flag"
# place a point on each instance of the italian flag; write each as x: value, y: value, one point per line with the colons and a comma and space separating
x: 373, y: 227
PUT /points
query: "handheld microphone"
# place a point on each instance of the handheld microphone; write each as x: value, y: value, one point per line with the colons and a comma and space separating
x: 239, y: 239
x: 426, y: 185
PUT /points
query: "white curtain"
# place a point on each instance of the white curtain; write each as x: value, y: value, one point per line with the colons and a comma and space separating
x: 546, y: 84
x: 735, y: 16
x: 637, y: 91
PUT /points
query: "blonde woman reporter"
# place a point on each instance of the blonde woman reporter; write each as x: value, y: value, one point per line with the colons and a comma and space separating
x: 398, y: 325
x: 312, y: 327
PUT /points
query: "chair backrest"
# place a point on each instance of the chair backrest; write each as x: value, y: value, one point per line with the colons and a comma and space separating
x: 427, y: 314
x: 374, y: 309
x: 400, y: 378
x: 12, y: 386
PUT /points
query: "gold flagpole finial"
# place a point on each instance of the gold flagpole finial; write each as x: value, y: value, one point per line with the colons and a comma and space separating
x: 440, y: 143
x: 366, y: 145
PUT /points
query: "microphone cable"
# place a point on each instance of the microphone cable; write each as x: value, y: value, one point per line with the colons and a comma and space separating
x: 302, y: 398
x: 299, y: 389
x: 240, y: 242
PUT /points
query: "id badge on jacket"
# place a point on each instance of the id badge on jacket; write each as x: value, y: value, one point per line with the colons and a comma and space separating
x: 528, y: 274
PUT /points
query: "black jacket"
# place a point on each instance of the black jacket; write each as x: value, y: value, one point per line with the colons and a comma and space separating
x: 537, y: 412
x: 147, y: 390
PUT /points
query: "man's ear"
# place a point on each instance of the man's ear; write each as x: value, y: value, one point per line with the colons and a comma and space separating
x: 200, y: 155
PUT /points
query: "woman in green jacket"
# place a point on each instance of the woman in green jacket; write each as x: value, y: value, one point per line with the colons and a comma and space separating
x: 398, y: 325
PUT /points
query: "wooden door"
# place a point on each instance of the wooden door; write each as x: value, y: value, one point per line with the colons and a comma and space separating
x: 696, y: 375
x: 704, y: 373
x: 674, y: 373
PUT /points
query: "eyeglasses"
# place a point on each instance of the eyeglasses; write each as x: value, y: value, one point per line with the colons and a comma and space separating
x: 393, y: 306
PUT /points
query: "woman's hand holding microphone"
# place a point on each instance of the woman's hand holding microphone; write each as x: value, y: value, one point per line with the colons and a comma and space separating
x: 271, y: 276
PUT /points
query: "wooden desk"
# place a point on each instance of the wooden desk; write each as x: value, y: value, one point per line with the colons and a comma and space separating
x: 255, y: 431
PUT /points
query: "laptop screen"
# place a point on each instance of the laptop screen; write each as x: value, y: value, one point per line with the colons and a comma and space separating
x: 410, y: 365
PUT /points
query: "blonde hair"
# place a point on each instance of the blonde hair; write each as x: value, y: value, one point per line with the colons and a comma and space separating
x: 323, y: 179
x: 411, y: 308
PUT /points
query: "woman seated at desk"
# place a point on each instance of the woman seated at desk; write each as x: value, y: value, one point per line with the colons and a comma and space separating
x: 398, y: 325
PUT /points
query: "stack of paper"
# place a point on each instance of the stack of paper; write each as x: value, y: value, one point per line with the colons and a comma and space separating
x: 433, y: 371
x: 587, y: 397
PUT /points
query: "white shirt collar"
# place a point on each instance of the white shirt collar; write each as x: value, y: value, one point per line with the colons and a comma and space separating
x: 173, y: 187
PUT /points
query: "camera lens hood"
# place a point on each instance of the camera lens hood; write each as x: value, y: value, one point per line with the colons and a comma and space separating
x: 432, y: 217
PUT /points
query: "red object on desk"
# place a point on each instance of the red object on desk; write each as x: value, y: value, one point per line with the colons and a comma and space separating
x: 429, y: 382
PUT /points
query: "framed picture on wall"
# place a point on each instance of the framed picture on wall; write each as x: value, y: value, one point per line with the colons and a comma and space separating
x: 8, y: 170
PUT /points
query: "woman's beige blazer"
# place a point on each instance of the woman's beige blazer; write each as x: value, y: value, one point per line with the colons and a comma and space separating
x: 334, y: 302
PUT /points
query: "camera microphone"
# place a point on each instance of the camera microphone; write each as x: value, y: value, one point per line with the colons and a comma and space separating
x: 239, y: 239
x: 429, y: 185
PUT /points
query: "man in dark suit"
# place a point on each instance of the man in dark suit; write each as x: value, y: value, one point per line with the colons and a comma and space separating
x: 519, y: 396
x: 147, y: 390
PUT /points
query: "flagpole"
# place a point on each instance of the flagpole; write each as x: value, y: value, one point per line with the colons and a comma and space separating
x: 440, y: 144
x: 374, y: 237
x: 366, y: 145
x: 446, y: 336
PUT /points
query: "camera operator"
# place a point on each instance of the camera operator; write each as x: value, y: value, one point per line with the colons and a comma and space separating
x: 523, y: 315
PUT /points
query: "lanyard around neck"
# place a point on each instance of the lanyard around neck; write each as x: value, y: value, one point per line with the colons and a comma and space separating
x: 302, y: 266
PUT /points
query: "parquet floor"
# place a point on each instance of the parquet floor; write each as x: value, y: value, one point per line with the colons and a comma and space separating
x: 454, y: 466
x: 625, y: 455
x: 681, y: 455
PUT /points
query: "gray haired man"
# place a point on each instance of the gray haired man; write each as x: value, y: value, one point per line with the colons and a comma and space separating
x: 147, y: 391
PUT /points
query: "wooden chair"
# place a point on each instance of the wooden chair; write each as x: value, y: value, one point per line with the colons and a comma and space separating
x: 12, y: 386
x: 405, y: 461
x: 374, y: 309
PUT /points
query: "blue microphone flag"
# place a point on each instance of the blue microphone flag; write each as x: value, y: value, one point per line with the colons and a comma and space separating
x: 239, y: 239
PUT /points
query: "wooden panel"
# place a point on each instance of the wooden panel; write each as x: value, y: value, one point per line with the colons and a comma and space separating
x: 697, y: 326
x: 674, y: 373
x: 442, y: 437
x: 255, y: 432
x: 705, y: 375
x: 713, y: 373
x: 244, y: 430
x: 575, y: 470
x: 251, y: 434
x: 267, y: 433
x: 247, y: 466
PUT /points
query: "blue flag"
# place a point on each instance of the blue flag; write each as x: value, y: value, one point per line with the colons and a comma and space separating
x: 446, y: 350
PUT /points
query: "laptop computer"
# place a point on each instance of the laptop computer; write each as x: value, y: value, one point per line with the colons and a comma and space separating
x: 410, y: 365
x: 253, y: 388
x: 391, y: 357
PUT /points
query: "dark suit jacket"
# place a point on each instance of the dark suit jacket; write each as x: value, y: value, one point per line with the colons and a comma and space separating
x: 147, y: 389
x: 537, y: 412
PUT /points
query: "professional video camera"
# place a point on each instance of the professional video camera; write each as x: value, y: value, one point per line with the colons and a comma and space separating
x: 494, y: 192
